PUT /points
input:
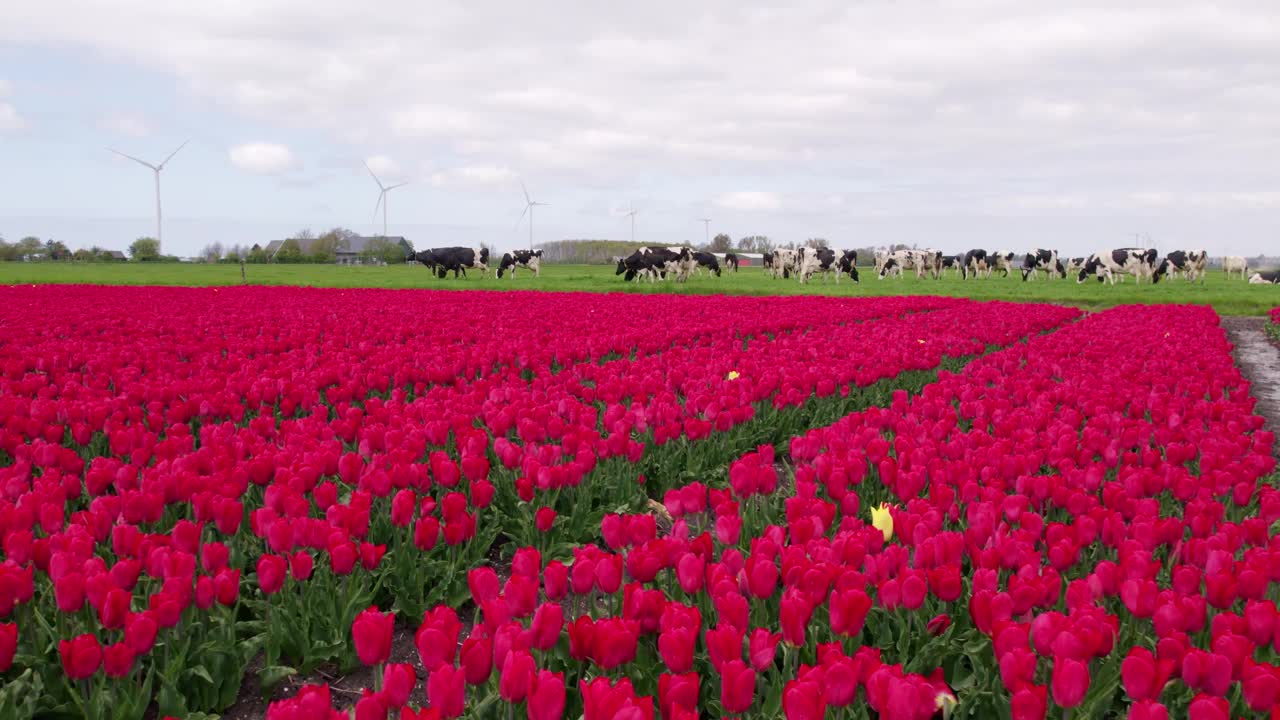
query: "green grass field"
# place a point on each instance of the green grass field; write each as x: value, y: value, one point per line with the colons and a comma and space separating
x: 1234, y: 297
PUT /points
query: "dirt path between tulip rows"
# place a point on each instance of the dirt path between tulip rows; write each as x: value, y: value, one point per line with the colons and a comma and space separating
x: 1259, y: 361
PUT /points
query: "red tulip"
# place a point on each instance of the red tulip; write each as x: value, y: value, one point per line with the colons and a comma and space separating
x: 794, y: 617
x: 69, y: 592
x: 547, y: 623
x: 477, y: 659
x: 803, y: 700
x: 484, y: 584
x: 371, y: 631
x: 517, y: 676
x: 8, y: 645
x: 115, y: 608
x: 761, y: 647
x: 555, y: 579
x: 81, y: 657
x: 1148, y: 710
x: 398, y: 680
x: 446, y: 690
x: 271, y: 573
x: 118, y: 660
x: 1205, y: 707
x: 1029, y: 702
x: 677, y: 692
x: 1139, y: 674
x: 676, y: 647
x: 849, y: 610
x: 737, y: 686
x: 544, y: 519
x: 615, y: 642
x: 546, y: 702
x: 1070, y: 681
x: 938, y: 625
x: 372, y: 706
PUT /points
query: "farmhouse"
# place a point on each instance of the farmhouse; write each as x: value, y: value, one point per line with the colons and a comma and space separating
x: 352, y: 251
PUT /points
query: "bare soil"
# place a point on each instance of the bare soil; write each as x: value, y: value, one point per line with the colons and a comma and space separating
x: 1259, y: 361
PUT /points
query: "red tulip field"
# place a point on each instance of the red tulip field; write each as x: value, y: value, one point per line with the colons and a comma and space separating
x: 628, y: 506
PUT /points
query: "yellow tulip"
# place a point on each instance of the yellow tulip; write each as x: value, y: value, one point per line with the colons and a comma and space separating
x: 882, y: 520
x: 733, y: 375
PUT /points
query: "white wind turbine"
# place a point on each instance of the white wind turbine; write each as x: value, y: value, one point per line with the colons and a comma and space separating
x: 155, y: 169
x: 529, y: 205
x: 632, y: 214
x: 706, y: 226
x: 382, y: 197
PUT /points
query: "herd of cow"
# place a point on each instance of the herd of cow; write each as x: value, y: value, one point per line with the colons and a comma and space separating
x: 804, y: 263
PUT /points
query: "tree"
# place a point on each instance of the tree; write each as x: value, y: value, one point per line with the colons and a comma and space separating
x: 7, y: 251
x: 377, y: 249
x: 212, y: 252
x: 816, y: 243
x: 83, y: 255
x: 145, y: 249
x: 720, y: 243
x: 289, y: 252
x: 57, y: 250
x: 755, y: 243
x: 257, y: 255
x: 29, y: 245
x: 304, y: 234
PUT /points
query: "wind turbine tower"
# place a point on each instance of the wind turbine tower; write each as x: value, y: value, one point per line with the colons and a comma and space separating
x: 529, y: 205
x: 632, y: 214
x: 706, y: 226
x: 382, y: 197
x: 155, y: 169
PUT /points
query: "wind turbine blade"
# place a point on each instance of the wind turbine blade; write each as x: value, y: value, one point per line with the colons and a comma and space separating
x: 378, y: 204
x: 175, y: 152
x: 389, y: 188
x: 375, y: 177
x: 521, y: 218
x: 526, y: 192
x: 130, y: 157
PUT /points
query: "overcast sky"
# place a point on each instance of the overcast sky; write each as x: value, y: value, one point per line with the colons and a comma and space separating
x: 949, y: 123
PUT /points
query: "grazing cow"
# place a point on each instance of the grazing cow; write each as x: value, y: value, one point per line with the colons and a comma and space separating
x: 975, y: 263
x: 1075, y: 264
x: 531, y: 259
x: 1235, y: 264
x: 1188, y: 262
x: 1107, y: 264
x: 731, y: 262
x: 1270, y: 277
x: 458, y: 259
x: 893, y: 263
x: 781, y: 262
x: 657, y: 262
x: 847, y: 264
x: 928, y: 262
x: 1045, y: 261
x: 881, y: 257
x: 1000, y: 260
x: 708, y: 261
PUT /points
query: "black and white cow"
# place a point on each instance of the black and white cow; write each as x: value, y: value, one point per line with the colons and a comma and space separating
x: 1269, y: 277
x: 891, y: 264
x: 1074, y: 265
x: 1105, y: 265
x: 458, y: 259
x: 1000, y: 261
x: 531, y: 259
x: 731, y: 262
x: 708, y: 261
x: 928, y: 262
x: 1045, y: 261
x: 657, y: 262
x: 1233, y: 264
x: 975, y: 264
x: 781, y: 263
x: 847, y: 264
x: 1190, y: 263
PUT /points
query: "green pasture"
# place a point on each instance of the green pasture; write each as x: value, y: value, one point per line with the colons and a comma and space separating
x: 1230, y: 297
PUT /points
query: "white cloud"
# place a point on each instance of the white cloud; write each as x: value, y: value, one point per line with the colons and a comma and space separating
x: 5, y: 88
x: 262, y: 158
x: 749, y: 200
x: 384, y: 167
x: 126, y: 123
x: 10, y: 120
x: 482, y: 177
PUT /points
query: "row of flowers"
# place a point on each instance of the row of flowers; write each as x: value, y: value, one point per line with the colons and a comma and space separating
x: 194, y: 478
x: 1065, y: 528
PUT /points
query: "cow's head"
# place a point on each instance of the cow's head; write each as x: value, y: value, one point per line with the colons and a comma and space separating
x: 622, y: 267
